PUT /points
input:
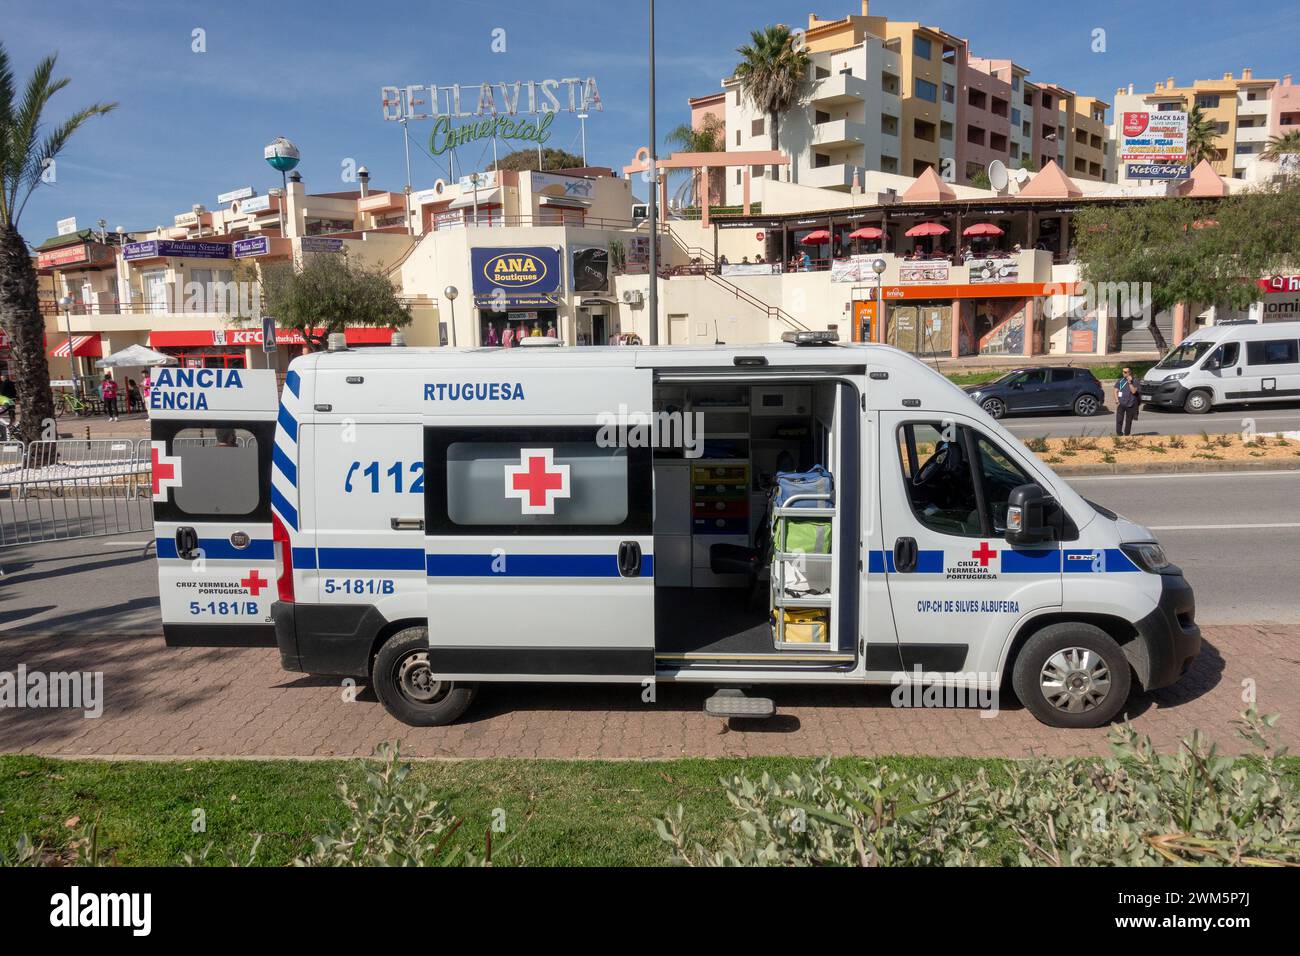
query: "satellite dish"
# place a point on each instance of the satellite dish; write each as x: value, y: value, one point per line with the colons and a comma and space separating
x: 1020, y: 175
x: 998, y: 178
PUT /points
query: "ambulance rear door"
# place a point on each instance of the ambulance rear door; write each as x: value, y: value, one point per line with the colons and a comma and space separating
x: 538, y: 523
x: 212, y: 441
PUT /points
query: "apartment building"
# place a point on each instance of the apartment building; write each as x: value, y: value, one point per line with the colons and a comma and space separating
x: 1246, y: 112
x: 900, y: 97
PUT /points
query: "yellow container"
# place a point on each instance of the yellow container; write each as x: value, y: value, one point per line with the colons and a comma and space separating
x: 807, y: 626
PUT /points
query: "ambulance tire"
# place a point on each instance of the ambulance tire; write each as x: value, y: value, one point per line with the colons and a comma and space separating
x: 1050, y: 655
x: 401, y: 681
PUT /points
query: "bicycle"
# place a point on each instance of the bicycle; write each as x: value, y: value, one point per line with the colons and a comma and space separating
x: 69, y: 404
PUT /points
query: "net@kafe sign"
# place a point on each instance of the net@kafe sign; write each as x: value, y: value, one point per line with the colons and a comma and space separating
x: 521, y: 276
x: 1159, y: 137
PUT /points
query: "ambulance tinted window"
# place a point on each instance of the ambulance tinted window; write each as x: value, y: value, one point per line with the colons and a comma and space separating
x: 525, y: 484
x: 219, y: 471
x: 939, y: 479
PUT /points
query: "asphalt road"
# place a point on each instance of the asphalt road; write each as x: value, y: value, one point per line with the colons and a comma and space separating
x: 1236, y: 536
x: 1233, y: 419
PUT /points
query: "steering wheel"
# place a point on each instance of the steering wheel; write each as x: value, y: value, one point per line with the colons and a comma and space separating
x: 932, y: 465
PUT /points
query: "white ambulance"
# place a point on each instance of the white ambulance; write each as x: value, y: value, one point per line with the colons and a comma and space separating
x: 434, y: 520
x: 1230, y: 362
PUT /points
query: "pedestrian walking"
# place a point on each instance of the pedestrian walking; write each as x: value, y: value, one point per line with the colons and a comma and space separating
x: 9, y: 396
x: 108, y: 392
x: 1126, y: 403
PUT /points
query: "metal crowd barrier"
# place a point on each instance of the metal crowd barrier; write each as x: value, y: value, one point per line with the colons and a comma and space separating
x: 68, y: 489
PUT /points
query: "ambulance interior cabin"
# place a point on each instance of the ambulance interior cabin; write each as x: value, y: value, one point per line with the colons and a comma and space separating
x: 737, y: 577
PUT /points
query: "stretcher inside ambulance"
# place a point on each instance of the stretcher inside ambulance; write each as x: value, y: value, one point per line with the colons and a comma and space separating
x: 438, y: 521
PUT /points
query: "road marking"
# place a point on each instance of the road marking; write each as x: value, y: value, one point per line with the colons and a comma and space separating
x: 1219, y: 527
x: 1071, y: 479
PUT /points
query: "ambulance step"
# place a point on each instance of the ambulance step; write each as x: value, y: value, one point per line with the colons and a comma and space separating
x: 732, y: 702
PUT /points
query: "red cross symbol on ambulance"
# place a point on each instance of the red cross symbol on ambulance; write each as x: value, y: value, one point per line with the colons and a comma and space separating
x: 166, y: 470
x: 985, y: 554
x: 537, y: 481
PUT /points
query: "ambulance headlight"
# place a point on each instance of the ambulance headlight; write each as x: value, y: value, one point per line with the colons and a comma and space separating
x: 1175, y: 377
x: 1150, y: 557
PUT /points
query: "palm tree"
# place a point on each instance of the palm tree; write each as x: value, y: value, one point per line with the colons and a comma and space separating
x: 24, y: 158
x: 771, y: 72
x: 710, y: 137
x: 1285, y: 145
x: 1202, y: 137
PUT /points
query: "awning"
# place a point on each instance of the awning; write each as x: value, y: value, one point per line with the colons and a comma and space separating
x: 251, y: 337
x: 564, y: 202
x: 488, y: 197
x: 82, y: 346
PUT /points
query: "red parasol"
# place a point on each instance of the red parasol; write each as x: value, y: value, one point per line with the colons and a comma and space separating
x: 867, y: 232
x: 983, y: 229
x: 817, y: 238
x: 928, y: 229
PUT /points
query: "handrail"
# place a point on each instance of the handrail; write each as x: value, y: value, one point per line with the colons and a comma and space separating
x: 771, y: 311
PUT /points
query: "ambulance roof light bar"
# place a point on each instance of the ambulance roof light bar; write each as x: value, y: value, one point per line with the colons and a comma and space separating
x: 809, y: 337
x: 336, y: 342
x: 539, y: 341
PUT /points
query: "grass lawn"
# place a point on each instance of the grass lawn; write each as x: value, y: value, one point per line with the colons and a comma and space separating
x: 570, y: 813
x: 566, y: 813
x: 1106, y: 374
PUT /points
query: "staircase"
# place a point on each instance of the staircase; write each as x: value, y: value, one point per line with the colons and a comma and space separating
x: 771, y: 311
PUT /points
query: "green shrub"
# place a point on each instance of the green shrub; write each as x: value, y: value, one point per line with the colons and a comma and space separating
x: 391, y: 823
x: 1135, y: 808
x: 1038, y: 445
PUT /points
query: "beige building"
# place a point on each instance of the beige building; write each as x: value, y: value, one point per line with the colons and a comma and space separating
x: 1247, y: 111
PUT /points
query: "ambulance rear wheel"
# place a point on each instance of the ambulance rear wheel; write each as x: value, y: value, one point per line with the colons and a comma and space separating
x: 408, y: 689
x: 1072, y: 675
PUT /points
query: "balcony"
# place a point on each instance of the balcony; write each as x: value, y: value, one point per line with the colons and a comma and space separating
x: 1252, y: 107
x: 838, y: 176
x: 891, y: 104
x: 1252, y: 134
x: 839, y: 133
x: 838, y: 90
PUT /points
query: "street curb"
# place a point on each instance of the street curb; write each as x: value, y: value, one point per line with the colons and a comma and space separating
x: 1200, y: 467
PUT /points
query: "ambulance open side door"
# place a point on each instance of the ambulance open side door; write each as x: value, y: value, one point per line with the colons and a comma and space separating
x: 538, y: 524
x: 212, y: 439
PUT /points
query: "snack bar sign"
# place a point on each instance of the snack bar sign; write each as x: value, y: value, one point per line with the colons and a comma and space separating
x: 1154, y: 137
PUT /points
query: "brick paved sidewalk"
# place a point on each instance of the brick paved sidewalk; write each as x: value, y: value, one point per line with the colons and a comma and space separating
x: 234, y: 702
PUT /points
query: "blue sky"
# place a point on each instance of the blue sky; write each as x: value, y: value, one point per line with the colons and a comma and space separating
x: 192, y: 125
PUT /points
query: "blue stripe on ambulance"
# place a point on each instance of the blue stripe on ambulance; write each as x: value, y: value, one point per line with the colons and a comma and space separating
x: 220, y: 549
x: 1018, y: 562
x: 287, y: 512
x: 288, y: 423
x: 530, y: 566
x: 280, y: 458
x: 292, y: 382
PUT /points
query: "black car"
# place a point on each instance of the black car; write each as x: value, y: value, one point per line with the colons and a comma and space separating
x: 1041, y: 389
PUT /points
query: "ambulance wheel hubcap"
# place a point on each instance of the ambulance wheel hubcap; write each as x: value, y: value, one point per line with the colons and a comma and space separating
x: 417, y: 681
x: 1075, y: 680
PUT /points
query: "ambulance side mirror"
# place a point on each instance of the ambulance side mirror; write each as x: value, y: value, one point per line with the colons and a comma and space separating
x: 1027, y: 515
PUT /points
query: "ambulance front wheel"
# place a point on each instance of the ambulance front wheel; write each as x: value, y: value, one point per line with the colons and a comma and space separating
x: 1072, y: 675
x: 407, y: 688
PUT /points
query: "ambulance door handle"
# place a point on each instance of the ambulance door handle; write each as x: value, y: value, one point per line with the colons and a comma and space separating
x: 905, y: 555
x: 629, y: 559
x: 187, y: 543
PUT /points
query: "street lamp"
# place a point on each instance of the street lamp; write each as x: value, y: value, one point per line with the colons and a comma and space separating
x: 65, y: 303
x: 451, y: 292
x: 878, y: 266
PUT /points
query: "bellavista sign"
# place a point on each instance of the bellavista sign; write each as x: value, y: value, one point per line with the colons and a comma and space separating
x: 487, y: 99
